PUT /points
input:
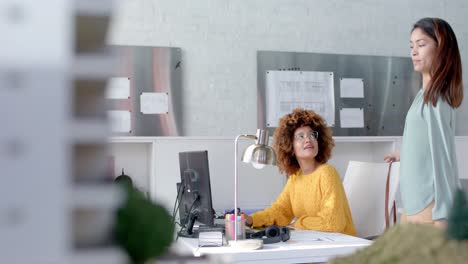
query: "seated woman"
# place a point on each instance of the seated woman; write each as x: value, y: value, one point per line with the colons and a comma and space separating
x: 314, y: 193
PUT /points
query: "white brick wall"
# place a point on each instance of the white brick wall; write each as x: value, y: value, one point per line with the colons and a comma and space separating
x: 219, y: 40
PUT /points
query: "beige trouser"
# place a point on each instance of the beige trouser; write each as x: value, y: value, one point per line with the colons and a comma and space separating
x: 423, y: 217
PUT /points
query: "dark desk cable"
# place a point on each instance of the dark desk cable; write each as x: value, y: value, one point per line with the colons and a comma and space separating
x: 191, y: 218
x: 180, y: 192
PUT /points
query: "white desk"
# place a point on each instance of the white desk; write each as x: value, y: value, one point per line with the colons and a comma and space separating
x: 303, y: 247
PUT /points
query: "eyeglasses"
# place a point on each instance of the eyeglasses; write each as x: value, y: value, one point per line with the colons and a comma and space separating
x: 302, y: 137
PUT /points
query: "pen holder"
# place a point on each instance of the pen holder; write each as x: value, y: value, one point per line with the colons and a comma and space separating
x: 229, y: 229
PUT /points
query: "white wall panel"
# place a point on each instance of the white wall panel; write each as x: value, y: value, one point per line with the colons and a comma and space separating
x: 219, y: 41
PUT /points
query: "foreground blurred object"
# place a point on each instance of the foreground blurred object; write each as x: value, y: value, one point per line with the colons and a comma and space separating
x: 57, y: 201
x: 144, y: 229
x: 458, y: 218
x: 412, y: 243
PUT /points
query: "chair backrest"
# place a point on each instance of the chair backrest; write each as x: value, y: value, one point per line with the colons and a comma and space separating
x: 365, y: 184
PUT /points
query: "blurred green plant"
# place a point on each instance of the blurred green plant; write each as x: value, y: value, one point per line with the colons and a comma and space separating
x: 420, y: 243
x: 143, y: 228
x: 457, y: 227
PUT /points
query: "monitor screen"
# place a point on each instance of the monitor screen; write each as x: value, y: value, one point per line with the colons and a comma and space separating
x: 195, y: 197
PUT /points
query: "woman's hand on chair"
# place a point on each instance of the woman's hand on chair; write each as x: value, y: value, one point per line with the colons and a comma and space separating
x: 392, y: 157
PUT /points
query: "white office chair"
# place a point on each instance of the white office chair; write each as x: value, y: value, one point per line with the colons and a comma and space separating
x: 365, y: 185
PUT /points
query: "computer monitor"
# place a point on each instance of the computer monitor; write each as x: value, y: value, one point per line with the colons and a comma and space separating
x: 195, y: 202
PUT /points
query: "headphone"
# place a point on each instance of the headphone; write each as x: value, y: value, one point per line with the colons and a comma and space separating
x: 273, y: 234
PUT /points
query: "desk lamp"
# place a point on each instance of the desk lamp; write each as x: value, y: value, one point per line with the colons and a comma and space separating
x: 259, y: 155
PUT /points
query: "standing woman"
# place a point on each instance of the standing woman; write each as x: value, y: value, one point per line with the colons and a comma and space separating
x: 428, y: 170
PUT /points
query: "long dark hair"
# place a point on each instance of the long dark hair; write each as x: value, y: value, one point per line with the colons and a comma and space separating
x: 446, y: 70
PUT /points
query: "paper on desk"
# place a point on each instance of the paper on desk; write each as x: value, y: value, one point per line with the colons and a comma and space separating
x: 307, y: 235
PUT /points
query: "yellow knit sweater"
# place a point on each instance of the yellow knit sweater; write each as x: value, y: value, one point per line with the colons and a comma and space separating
x: 318, y: 200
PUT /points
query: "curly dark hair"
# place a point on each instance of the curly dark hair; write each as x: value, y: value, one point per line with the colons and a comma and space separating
x: 284, y: 136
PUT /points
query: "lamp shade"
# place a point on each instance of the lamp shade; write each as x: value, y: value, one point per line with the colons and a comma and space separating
x: 259, y: 154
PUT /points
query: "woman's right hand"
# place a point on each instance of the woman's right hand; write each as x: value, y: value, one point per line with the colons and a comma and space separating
x: 392, y: 157
x: 248, y: 220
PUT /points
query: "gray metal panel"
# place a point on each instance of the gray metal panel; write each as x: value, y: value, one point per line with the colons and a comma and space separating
x: 151, y: 70
x: 390, y: 85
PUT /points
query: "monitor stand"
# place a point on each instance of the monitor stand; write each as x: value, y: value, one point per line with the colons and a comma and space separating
x: 188, y: 231
x: 194, y: 228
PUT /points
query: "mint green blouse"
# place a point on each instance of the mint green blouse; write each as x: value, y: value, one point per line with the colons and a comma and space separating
x: 428, y: 168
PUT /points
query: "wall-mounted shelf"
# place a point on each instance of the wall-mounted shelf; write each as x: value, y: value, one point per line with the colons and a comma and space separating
x: 154, y: 162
